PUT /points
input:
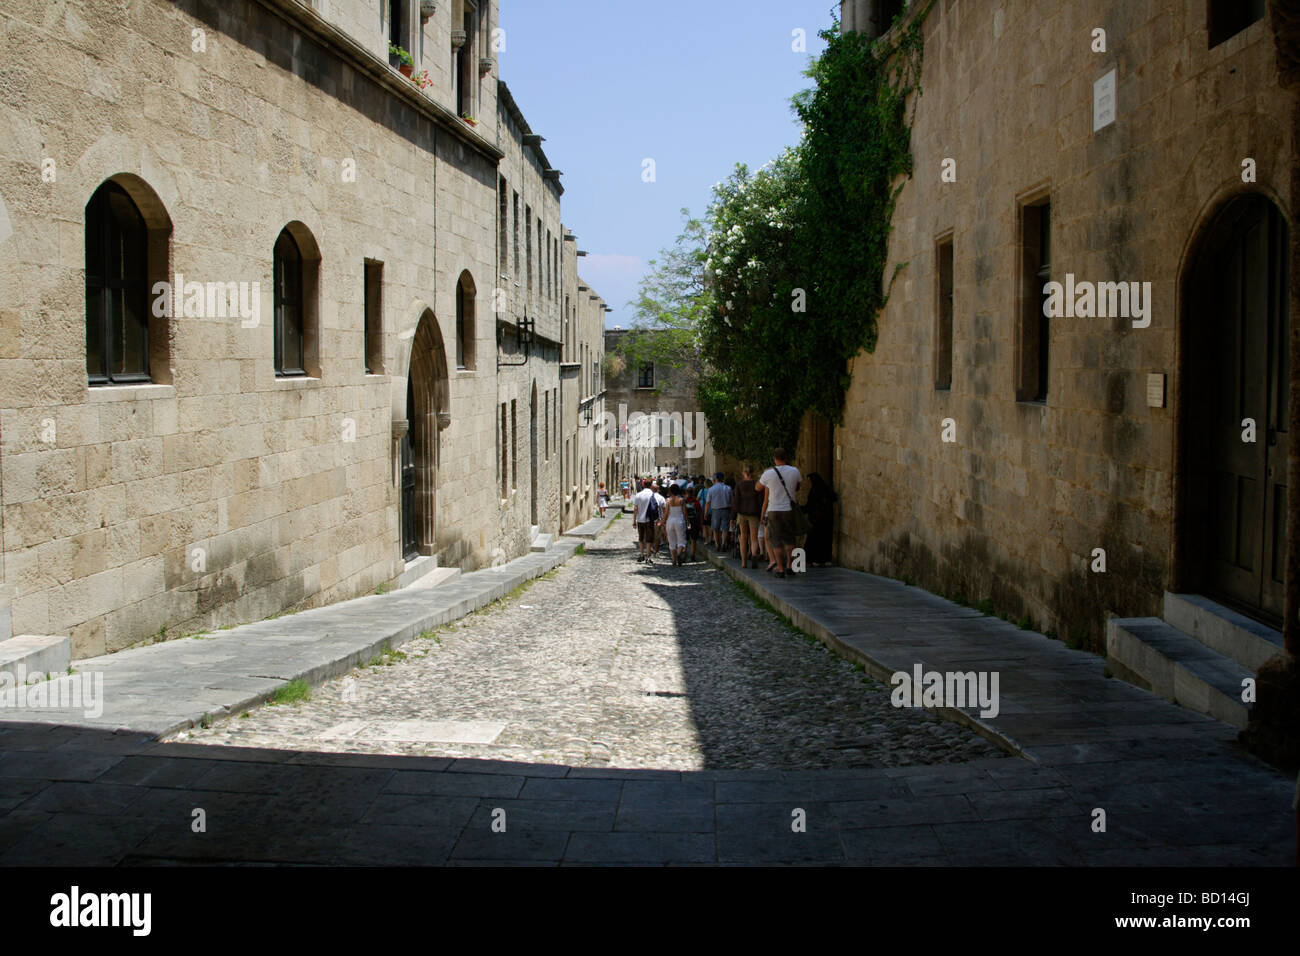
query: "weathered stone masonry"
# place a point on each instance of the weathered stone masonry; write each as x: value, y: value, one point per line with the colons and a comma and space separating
x: 218, y: 491
x: 1013, y: 509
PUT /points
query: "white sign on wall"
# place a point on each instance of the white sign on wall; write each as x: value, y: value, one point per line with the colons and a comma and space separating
x: 1103, y: 101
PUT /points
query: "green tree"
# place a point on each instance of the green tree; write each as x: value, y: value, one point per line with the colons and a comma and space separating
x: 797, y: 250
x: 672, y: 297
x: 754, y: 343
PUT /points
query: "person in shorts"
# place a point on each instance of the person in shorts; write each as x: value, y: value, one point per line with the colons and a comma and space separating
x: 646, y: 515
x: 719, y: 511
x: 780, y: 484
x: 748, y: 506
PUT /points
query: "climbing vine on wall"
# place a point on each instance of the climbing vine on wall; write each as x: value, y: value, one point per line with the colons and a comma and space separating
x: 808, y: 231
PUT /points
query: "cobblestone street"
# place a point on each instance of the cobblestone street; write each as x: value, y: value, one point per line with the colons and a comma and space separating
x: 607, y: 662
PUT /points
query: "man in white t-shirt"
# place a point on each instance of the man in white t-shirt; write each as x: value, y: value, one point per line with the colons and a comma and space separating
x: 780, y: 484
x: 645, y: 524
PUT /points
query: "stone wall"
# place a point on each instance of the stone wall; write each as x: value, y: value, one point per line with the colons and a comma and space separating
x: 537, y: 379
x: 1012, y: 508
x: 220, y: 492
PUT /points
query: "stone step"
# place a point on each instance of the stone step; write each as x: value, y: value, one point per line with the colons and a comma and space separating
x: 1157, y: 657
x: 416, y: 569
x: 1222, y: 629
x: 435, y: 577
x: 29, y: 654
x: 541, y: 542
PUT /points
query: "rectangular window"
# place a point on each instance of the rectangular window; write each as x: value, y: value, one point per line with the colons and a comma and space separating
x: 1227, y: 18
x: 555, y: 411
x: 503, y: 236
x: 1033, y: 347
x: 943, y: 314
x: 503, y: 456
x: 646, y: 377
x: 546, y: 426
x: 514, y: 443
x: 528, y: 246
x: 887, y: 11
x: 397, y: 24
x: 515, y: 271
x: 374, y: 317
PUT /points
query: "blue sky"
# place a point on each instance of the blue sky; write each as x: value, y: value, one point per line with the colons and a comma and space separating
x: 695, y: 85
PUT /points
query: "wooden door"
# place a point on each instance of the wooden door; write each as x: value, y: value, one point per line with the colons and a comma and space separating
x: 1241, y: 401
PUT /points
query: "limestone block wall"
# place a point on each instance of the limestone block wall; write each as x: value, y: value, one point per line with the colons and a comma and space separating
x: 465, y: 252
x: 529, y: 198
x: 1013, y: 508
x: 222, y: 493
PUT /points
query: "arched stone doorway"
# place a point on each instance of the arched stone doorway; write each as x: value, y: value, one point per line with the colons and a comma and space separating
x: 1235, y: 413
x: 428, y: 412
x: 532, y: 455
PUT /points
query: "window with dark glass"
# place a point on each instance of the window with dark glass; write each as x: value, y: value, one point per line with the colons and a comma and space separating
x: 117, y: 289
x: 466, y: 60
x: 464, y: 325
x: 503, y: 452
x: 1033, y: 358
x: 1227, y: 18
x: 503, y: 225
x: 288, y: 306
x: 646, y: 377
x: 943, y: 316
x: 374, y: 353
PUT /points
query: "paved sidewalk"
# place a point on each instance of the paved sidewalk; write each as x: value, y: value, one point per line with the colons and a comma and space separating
x: 1088, y: 740
x: 161, y: 688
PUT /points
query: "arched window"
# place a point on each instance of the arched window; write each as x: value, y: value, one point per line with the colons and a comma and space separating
x: 288, y: 306
x: 465, y: 322
x: 117, y: 288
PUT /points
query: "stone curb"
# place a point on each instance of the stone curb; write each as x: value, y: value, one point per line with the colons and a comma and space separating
x: 484, y: 591
x: 874, y: 667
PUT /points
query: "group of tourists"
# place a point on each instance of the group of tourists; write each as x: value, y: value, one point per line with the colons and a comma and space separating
x: 760, y: 517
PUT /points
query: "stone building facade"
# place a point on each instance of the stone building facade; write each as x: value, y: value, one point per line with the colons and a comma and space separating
x: 583, y: 384
x: 530, y: 331
x: 314, y: 409
x: 1000, y: 440
x: 651, y: 403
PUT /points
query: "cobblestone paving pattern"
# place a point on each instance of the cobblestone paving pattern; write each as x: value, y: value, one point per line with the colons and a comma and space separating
x: 607, y: 662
